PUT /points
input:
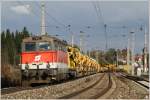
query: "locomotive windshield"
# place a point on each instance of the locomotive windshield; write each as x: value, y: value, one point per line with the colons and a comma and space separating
x: 30, y: 46
x: 44, y: 46
x: 34, y: 46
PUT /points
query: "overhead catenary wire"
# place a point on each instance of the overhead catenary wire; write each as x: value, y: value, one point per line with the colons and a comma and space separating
x: 36, y: 14
x: 57, y: 21
x: 49, y: 15
x: 66, y: 28
x: 104, y: 24
x: 22, y: 4
x: 32, y: 11
x: 52, y: 17
x: 100, y: 17
x: 98, y: 12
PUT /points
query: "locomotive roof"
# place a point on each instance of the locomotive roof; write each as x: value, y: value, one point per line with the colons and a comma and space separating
x: 43, y: 38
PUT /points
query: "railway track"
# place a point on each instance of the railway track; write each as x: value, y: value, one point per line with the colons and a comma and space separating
x: 126, y: 88
x: 56, y: 91
x: 134, y: 88
x: 105, y: 90
x: 137, y: 78
x: 102, y: 86
x: 144, y: 83
x: 98, y: 85
x: 35, y: 86
x: 141, y: 81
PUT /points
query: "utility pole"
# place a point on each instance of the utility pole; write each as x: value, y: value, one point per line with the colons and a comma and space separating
x: 145, y: 51
x: 128, y: 51
x: 72, y: 39
x: 81, y: 41
x: 105, y: 26
x: 43, y: 32
x: 132, y: 53
x: 97, y: 56
x: 89, y: 53
x: 72, y: 36
x: 117, y: 58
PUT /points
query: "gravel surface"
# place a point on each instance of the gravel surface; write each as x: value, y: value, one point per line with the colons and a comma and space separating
x: 54, y: 91
x: 123, y: 89
x: 93, y: 91
x: 127, y: 89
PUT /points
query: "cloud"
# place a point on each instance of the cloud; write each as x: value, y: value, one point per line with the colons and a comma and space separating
x: 121, y: 12
x: 21, y: 9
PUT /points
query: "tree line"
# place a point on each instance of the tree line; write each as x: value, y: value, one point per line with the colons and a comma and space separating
x: 109, y: 56
x: 10, y: 56
x: 11, y: 46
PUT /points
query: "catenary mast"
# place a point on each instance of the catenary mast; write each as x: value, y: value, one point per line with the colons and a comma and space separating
x: 43, y: 30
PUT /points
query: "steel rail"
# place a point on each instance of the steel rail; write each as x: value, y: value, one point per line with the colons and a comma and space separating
x: 83, y: 90
x: 105, y: 90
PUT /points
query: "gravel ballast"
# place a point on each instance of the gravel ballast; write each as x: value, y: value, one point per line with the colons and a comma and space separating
x: 54, y: 91
x: 128, y: 89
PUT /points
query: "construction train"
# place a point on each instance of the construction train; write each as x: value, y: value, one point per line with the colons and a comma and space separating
x: 46, y: 59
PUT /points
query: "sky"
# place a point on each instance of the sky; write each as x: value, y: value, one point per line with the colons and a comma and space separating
x: 120, y: 16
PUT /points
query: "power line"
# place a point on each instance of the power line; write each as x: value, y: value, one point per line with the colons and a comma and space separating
x: 106, y: 37
x: 100, y: 12
x: 96, y: 10
x: 67, y: 28
x: 32, y: 11
x: 39, y: 7
x: 21, y: 3
x: 61, y: 24
x: 100, y: 17
x: 49, y: 15
x: 35, y: 13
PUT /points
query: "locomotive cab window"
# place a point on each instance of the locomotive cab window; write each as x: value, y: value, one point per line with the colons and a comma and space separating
x: 44, y: 46
x: 30, y: 46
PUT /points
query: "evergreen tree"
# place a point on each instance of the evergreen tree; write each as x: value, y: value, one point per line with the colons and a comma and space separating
x: 11, y: 45
x: 3, y: 39
x: 13, y: 36
x: 18, y: 40
x: 8, y: 36
x: 25, y: 32
x: 4, y: 52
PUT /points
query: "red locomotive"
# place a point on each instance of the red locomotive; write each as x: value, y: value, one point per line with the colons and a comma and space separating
x: 43, y: 59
